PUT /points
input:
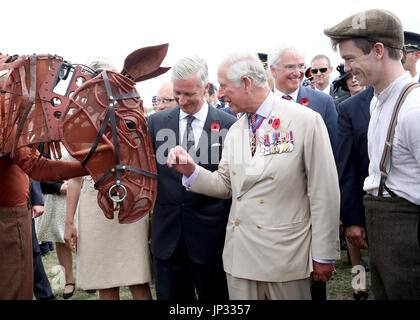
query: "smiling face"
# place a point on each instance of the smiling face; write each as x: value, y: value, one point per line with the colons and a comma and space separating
x: 229, y: 92
x: 288, y: 73
x: 362, y: 66
x: 353, y: 85
x: 189, y: 95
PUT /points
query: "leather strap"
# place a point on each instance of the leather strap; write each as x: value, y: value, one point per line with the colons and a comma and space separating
x: 30, y: 102
x: 385, y: 161
x: 110, y: 117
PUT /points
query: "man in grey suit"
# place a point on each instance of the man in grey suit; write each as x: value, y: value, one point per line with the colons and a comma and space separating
x: 278, y: 167
x: 188, y: 230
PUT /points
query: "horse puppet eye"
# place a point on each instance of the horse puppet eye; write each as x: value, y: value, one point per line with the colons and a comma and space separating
x: 130, y: 124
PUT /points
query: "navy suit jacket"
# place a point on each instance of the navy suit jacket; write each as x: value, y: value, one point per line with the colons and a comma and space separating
x: 353, y: 160
x: 179, y: 215
x: 324, y: 105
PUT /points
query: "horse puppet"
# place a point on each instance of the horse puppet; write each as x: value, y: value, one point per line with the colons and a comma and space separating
x: 99, y: 118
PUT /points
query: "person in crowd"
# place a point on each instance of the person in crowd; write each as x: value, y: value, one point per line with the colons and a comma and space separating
x: 51, y: 225
x: 42, y: 287
x: 188, y: 229
x: 16, y: 256
x: 353, y: 162
x: 371, y: 43
x: 412, y: 47
x: 264, y: 59
x: 109, y: 255
x: 309, y: 79
x: 211, y: 96
x: 276, y: 158
x: 321, y: 69
x: 287, y: 65
x: 165, y: 97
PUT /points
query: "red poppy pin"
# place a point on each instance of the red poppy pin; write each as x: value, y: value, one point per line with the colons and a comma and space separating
x: 304, y: 101
x: 215, y: 126
x: 276, y: 123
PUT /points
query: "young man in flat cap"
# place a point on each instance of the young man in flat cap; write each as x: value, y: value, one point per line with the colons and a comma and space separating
x: 371, y: 43
x: 412, y: 47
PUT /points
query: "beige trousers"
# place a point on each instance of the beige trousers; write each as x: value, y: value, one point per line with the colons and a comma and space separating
x: 244, y: 289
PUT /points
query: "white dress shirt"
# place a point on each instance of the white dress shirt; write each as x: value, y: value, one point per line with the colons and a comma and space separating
x: 294, y: 94
x: 326, y: 90
x: 404, y: 174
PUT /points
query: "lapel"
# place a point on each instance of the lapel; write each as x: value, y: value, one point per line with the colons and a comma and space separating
x: 367, y: 97
x: 173, y: 122
x: 259, y: 161
x: 303, y: 93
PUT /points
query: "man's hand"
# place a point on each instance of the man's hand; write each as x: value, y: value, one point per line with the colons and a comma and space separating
x: 70, y: 236
x: 37, y: 211
x: 179, y: 159
x: 322, y: 271
x: 356, y: 235
x: 64, y: 186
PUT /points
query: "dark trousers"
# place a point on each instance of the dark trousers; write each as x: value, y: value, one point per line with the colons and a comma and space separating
x: 393, y: 230
x: 319, y: 290
x: 42, y: 288
x: 179, y: 278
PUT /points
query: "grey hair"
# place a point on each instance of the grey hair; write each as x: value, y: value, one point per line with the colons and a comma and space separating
x: 275, y: 56
x: 100, y: 64
x: 187, y: 66
x: 245, y: 64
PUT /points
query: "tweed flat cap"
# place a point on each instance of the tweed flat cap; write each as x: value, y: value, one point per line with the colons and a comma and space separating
x: 375, y: 25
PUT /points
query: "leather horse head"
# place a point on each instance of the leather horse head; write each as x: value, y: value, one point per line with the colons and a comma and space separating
x: 99, y: 118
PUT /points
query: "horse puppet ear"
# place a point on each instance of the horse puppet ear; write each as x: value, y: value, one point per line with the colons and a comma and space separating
x: 144, y: 63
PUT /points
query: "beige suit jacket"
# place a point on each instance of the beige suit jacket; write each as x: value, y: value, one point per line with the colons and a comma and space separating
x: 285, y: 207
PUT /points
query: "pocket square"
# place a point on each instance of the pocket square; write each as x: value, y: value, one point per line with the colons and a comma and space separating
x: 215, y: 145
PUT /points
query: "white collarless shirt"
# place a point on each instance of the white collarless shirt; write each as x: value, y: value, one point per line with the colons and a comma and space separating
x: 404, y: 170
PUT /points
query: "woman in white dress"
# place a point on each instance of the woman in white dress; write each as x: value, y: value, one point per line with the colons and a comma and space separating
x: 109, y: 254
x: 50, y: 226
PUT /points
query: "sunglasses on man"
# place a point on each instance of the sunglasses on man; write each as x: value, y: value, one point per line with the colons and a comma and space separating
x: 322, y: 70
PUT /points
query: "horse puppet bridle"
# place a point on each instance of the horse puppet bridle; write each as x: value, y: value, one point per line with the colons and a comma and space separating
x: 117, y: 168
x: 33, y: 114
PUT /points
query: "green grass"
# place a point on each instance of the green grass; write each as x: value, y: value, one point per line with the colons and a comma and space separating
x: 338, y: 288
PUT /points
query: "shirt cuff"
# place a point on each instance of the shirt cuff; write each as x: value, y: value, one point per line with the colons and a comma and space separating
x: 187, y: 182
x: 323, y: 261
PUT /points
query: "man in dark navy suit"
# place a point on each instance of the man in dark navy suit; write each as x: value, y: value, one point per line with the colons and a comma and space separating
x: 287, y: 65
x: 188, y: 229
x: 353, y: 163
x: 42, y: 287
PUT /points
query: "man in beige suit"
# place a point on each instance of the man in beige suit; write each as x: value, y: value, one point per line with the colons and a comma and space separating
x: 284, y: 219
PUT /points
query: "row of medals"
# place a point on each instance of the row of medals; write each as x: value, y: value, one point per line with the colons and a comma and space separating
x: 277, y: 142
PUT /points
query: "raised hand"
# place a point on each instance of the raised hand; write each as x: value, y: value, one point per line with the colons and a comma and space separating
x: 179, y: 159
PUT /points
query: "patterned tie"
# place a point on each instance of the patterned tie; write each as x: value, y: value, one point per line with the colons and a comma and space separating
x: 253, y: 138
x: 287, y: 97
x: 188, y: 140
